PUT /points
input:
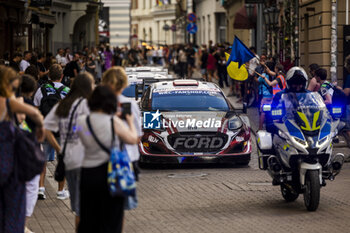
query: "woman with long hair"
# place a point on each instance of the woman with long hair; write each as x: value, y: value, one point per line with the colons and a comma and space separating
x: 101, y: 212
x: 58, y: 120
x: 12, y: 191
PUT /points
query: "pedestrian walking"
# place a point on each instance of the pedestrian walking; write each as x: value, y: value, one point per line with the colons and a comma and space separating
x: 117, y: 80
x: 16, y: 60
x: 99, y: 211
x: 12, y: 190
x: 53, y: 90
x: 72, y: 70
x: 27, y: 90
x: 25, y: 61
x: 221, y: 68
x: 43, y: 72
x: 60, y: 57
x: 58, y: 120
x: 211, y: 65
x: 182, y: 62
x: 204, y: 61
x: 108, y: 57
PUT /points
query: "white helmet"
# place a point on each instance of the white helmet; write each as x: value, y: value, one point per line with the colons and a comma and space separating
x: 296, y: 75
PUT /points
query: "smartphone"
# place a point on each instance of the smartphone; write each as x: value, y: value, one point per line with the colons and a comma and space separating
x: 126, y: 109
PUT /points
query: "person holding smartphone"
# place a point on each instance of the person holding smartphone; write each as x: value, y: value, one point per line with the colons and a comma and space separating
x: 117, y: 79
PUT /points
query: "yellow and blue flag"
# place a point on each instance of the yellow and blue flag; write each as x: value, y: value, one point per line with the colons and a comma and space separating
x: 236, y: 73
x: 240, y: 54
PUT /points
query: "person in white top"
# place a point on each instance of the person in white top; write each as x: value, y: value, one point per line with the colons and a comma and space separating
x: 253, y: 63
x: 58, y: 120
x: 61, y: 59
x: 101, y: 212
x: 68, y: 56
x: 117, y: 80
x: 55, y: 75
x: 25, y: 61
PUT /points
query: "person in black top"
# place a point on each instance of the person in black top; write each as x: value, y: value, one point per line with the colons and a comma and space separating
x: 27, y: 89
x: 190, y: 53
x: 221, y: 65
x: 204, y: 61
x: 42, y: 69
x: 14, y: 63
x: 71, y: 70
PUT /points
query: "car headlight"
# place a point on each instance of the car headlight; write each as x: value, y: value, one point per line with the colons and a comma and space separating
x: 234, y: 123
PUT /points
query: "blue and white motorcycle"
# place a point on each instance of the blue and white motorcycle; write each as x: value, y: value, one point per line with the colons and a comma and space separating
x: 296, y: 149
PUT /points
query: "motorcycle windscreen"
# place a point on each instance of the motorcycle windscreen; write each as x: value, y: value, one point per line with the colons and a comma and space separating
x: 307, y: 111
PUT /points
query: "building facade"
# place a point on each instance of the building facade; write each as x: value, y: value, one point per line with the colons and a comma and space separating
x: 76, y: 24
x: 154, y: 24
x: 119, y: 21
x: 315, y: 34
x: 46, y: 25
x: 211, y: 22
x: 232, y: 9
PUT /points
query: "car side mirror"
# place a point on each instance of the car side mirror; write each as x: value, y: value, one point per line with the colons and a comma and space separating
x: 138, y: 91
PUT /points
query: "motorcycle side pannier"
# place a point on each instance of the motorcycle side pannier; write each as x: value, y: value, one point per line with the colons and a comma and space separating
x: 265, y: 149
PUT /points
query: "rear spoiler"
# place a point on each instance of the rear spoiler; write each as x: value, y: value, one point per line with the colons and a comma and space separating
x: 139, y: 88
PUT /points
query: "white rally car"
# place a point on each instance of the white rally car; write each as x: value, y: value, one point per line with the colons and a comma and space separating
x: 188, y: 121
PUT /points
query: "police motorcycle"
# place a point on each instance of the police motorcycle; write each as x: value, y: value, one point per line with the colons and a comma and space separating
x: 296, y: 150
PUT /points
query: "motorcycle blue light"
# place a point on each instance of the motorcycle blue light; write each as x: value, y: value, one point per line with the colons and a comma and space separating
x: 277, y: 112
x: 336, y: 110
x: 267, y: 107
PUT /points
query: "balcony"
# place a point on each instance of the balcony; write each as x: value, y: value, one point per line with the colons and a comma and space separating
x: 168, y: 9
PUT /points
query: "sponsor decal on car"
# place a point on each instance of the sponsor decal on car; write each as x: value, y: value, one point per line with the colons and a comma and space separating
x: 153, y: 120
x: 198, y: 143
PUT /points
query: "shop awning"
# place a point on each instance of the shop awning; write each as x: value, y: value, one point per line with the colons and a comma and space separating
x: 242, y: 21
x: 41, y: 17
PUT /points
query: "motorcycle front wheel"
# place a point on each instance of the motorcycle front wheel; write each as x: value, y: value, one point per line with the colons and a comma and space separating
x: 312, y: 190
x: 288, y: 194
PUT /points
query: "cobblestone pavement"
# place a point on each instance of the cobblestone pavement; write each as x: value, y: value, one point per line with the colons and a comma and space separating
x: 213, y: 199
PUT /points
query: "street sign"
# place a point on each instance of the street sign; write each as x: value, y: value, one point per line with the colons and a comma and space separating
x: 166, y: 27
x: 191, y: 17
x: 173, y: 27
x: 191, y: 28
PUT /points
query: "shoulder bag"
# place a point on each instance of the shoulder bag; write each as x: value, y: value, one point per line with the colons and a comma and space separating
x: 29, y: 158
x: 120, y: 174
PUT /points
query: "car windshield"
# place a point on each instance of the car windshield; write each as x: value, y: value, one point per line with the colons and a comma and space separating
x: 189, y: 100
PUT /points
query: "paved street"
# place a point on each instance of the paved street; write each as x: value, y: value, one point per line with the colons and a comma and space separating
x: 212, y: 199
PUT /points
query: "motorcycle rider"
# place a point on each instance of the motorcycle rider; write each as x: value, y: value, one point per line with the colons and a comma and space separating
x: 296, y: 80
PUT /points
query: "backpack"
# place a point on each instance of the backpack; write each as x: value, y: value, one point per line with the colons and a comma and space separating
x: 48, y: 101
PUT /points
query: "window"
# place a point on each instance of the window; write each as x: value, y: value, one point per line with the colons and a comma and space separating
x: 134, y: 4
x: 150, y: 35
